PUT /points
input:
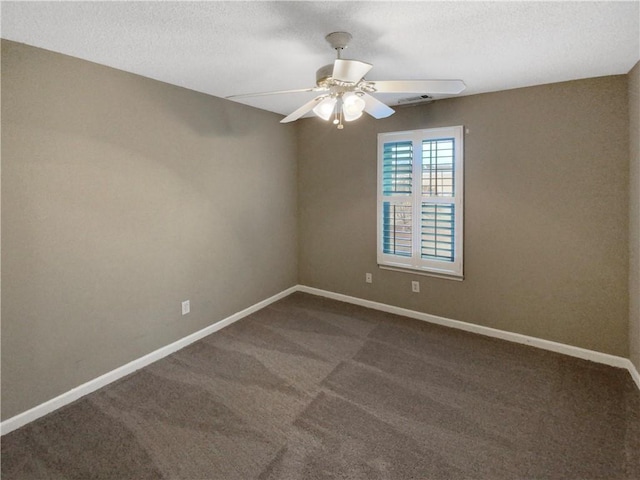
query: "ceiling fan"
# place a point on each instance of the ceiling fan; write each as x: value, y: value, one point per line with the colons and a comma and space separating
x: 346, y: 93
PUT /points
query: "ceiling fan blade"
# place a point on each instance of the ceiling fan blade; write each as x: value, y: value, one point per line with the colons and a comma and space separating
x: 310, y: 105
x: 243, y: 95
x: 375, y: 107
x: 350, y: 71
x: 419, y: 86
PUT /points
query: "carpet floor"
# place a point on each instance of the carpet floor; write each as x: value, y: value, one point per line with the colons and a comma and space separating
x: 312, y: 388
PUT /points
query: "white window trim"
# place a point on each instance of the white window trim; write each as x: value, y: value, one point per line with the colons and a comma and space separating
x: 416, y: 264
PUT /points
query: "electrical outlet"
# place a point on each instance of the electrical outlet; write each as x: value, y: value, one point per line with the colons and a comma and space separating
x: 186, y: 307
x: 368, y: 278
x: 415, y: 286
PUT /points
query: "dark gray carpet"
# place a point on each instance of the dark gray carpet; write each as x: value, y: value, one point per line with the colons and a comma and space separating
x: 310, y: 388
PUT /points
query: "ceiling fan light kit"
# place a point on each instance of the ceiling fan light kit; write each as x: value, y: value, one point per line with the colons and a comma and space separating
x: 325, y: 108
x: 347, y: 93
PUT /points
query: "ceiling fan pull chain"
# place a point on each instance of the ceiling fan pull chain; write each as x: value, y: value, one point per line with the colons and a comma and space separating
x: 339, y: 105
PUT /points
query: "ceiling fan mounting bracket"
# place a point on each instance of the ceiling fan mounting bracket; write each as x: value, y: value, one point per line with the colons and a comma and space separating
x: 338, y: 40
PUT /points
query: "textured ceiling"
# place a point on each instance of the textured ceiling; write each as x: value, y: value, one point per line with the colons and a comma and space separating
x: 227, y: 48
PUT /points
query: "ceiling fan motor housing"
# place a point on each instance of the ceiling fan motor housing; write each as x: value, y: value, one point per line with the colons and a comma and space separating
x: 323, y: 75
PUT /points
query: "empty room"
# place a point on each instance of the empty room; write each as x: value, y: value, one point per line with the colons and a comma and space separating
x: 320, y: 240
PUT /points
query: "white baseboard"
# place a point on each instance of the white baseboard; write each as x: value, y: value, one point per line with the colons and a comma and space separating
x: 583, y: 353
x: 109, y: 377
x: 634, y: 373
x: 74, y: 394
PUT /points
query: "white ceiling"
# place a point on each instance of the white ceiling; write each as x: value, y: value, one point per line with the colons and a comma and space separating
x: 227, y: 48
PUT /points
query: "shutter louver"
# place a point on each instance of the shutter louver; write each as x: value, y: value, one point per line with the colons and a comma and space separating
x: 397, y: 235
x: 397, y: 168
x: 438, y: 167
x: 397, y: 181
x: 437, y: 236
x: 438, y: 231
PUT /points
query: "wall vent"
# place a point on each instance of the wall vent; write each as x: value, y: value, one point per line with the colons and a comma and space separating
x: 415, y: 100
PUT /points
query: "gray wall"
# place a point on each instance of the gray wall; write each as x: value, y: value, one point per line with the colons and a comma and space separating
x: 121, y: 197
x: 634, y: 216
x: 546, y: 226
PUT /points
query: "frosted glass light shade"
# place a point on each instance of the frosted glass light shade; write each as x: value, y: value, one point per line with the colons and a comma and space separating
x: 325, y: 108
x: 353, y: 107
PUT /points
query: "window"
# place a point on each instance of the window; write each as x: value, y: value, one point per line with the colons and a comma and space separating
x: 420, y: 200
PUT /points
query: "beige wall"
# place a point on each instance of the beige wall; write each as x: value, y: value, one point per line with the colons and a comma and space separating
x: 546, y: 227
x: 634, y: 216
x: 121, y: 197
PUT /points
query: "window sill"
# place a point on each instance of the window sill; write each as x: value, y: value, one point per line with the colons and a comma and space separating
x: 457, y: 278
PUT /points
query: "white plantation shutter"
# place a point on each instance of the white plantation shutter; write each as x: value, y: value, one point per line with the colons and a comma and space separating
x: 397, y: 169
x: 438, y: 231
x: 420, y: 200
x: 398, y: 226
x: 397, y: 187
